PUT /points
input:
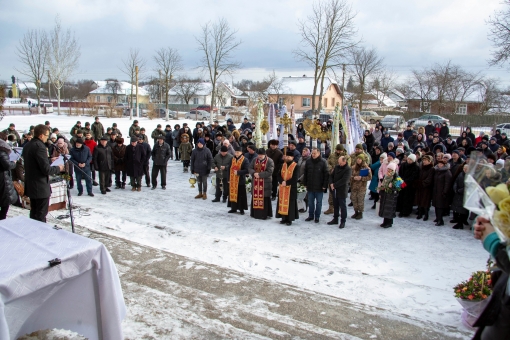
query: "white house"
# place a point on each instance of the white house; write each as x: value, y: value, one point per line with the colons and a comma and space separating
x: 201, y: 93
x: 118, y: 92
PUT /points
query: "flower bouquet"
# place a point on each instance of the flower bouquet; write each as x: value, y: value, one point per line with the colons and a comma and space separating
x: 248, y: 185
x: 301, y: 190
x: 472, y: 294
x: 486, y: 196
x: 394, y: 186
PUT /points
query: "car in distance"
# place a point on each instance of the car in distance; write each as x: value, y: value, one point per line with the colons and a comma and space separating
x: 226, y: 110
x: 504, y: 127
x: 370, y: 116
x: 394, y: 122
x: 197, y: 115
x: 161, y: 113
x: 424, y: 120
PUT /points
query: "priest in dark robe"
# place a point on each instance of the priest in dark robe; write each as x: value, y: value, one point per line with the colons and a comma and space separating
x: 286, y: 207
x: 261, y: 169
x: 237, y: 199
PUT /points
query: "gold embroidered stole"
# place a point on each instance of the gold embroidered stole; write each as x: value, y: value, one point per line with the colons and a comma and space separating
x: 234, y: 179
x: 284, y: 191
x: 258, y: 185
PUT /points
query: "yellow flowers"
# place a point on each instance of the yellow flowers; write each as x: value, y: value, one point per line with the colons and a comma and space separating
x: 498, y: 193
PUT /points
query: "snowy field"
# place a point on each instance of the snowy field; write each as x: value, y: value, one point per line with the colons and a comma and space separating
x: 408, y: 269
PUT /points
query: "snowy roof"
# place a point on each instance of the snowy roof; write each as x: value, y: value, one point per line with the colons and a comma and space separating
x: 397, y: 93
x: 386, y: 100
x: 302, y: 85
x: 26, y: 85
x: 125, y: 88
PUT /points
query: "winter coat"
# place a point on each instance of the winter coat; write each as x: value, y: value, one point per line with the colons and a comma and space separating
x: 147, y: 152
x: 316, y: 174
x: 385, y: 141
x: 117, y: 131
x: 169, y: 139
x: 185, y: 151
x: 8, y: 194
x: 450, y: 146
x: 301, y: 166
x: 103, y: 158
x: 132, y: 129
x: 360, y: 185
x: 333, y: 159
x: 118, y: 157
x: 441, y: 187
x: 494, y: 147
x: 388, y: 204
x: 250, y: 157
x: 97, y: 130
x: 429, y: 129
x: 266, y: 175
x: 201, y: 161
x: 38, y: 169
x: 424, y: 186
x: 276, y: 156
x: 176, y: 140
x: 161, y: 154
x: 377, y: 135
x: 91, y: 144
x: 455, y: 165
x: 369, y: 141
x: 458, y: 195
x: 226, y: 161
x: 374, y: 182
x: 408, y: 134
x: 444, y: 132
x: 134, y: 159
x: 382, y: 169
x: 155, y: 133
x: 14, y: 133
x: 470, y: 135
x: 81, y: 155
x: 340, y: 179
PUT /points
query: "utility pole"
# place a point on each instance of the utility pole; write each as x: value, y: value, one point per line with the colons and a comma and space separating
x: 136, y: 70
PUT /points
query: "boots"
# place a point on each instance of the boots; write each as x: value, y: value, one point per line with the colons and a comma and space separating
x: 204, y: 196
x: 455, y: 218
x: 373, y: 207
x: 420, y: 214
x: 333, y: 221
x: 123, y: 186
x: 459, y: 225
x: 426, y: 215
x: 360, y: 215
x: 329, y: 211
x: 355, y: 214
x: 198, y: 196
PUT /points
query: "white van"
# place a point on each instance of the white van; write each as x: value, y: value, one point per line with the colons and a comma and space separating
x: 45, y: 108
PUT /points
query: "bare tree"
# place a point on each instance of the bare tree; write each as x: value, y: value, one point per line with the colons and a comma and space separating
x: 186, y: 89
x: 128, y: 67
x: 63, y: 55
x: 169, y: 62
x: 383, y: 82
x: 365, y: 64
x: 499, y: 35
x: 275, y: 86
x: 326, y: 36
x: 218, y: 43
x: 32, y: 51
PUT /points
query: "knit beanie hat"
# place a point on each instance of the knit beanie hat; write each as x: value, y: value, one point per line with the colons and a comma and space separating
x: 447, y: 155
x: 201, y: 141
x: 400, y: 150
x: 392, y: 166
x: 412, y: 157
x: 391, y: 154
x: 359, y: 146
x: 383, y: 155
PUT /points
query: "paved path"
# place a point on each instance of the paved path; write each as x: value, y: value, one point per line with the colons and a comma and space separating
x: 174, y: 297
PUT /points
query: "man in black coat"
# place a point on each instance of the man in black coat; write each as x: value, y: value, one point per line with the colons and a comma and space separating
x: 339, y: 183
x: 103, y: 163
x: 37, y: 172
x: 134, y: 160
x: 315, y: 179
x: 147, y: 150
x: 160, y: 155
x: 200, y: 163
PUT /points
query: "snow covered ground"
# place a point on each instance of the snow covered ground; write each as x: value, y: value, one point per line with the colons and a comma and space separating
x: 408, y: 269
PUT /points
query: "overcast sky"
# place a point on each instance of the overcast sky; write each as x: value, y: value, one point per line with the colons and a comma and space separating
x: 407, y: 33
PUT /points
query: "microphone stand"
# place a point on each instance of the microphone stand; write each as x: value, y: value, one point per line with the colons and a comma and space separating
x: 68, y: 186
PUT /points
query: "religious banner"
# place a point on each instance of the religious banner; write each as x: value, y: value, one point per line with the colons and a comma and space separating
x: 272, y: 122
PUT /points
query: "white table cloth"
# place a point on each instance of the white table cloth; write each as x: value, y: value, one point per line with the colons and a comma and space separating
x: 83, y: 294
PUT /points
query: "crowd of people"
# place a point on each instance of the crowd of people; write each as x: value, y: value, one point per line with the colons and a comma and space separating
x: 430, y: 163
